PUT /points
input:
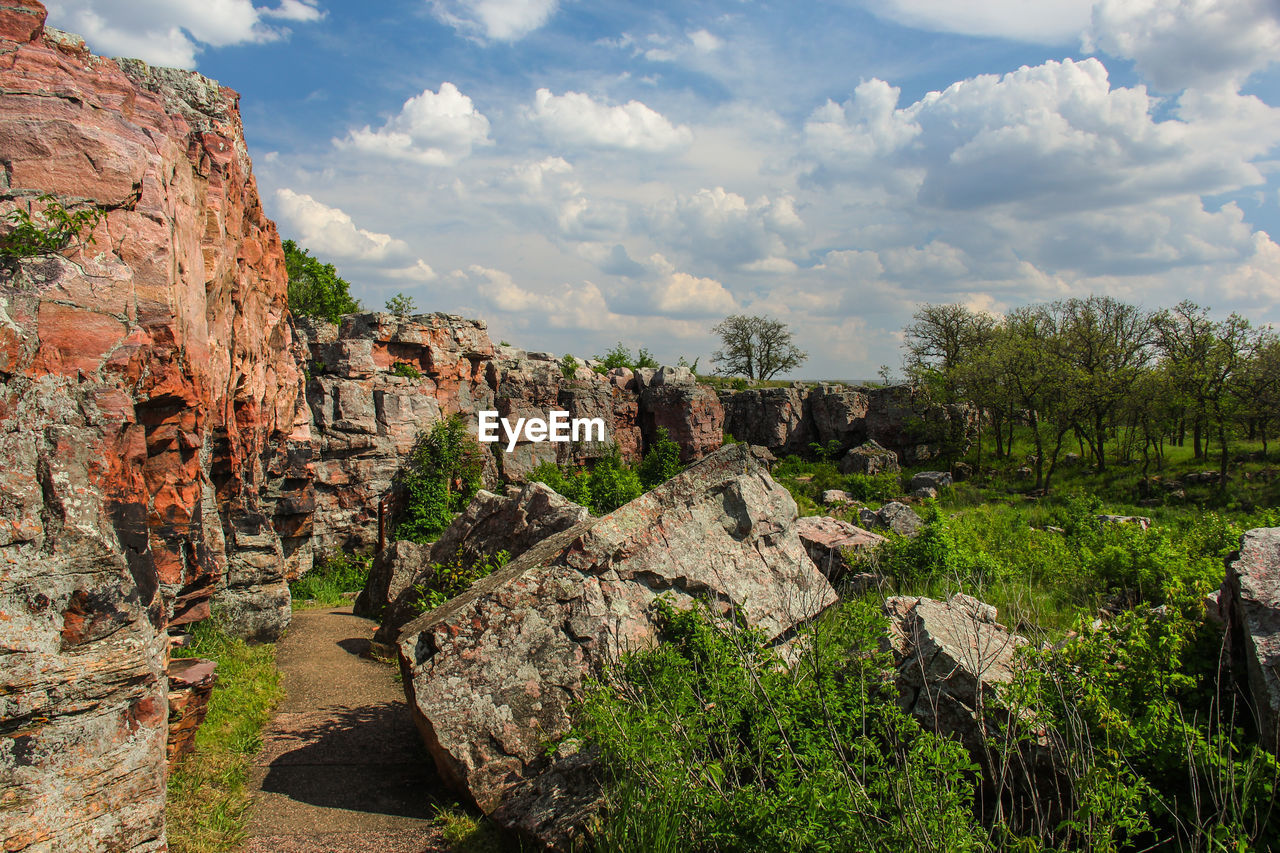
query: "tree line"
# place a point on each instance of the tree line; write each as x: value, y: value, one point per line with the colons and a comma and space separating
x: 1117, y: 380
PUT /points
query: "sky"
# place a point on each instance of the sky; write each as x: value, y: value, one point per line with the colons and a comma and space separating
x: 580, y: 173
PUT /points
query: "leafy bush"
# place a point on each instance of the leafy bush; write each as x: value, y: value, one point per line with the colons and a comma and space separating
x: 440, y: 477
x: 402, y: 306
x: 47, y: 232
x: 568, y: 367
x: 406, y: 369
x: 709, y: 742
x: 329, y: 578
x: 448, y: 580
x: 574, y: 485
x: 661, y: 462
x: 315, y: 288
x: 613, y: 483
x: 873, y: 487
x: 619, y: 356
x: 644, y: 358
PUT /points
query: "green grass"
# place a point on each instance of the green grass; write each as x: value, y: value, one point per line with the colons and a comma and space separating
x: 330, y: 582
x: 467, y: 833
x: 208, y: 799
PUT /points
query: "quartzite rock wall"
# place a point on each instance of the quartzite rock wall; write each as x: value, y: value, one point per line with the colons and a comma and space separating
x: 789, y: 419
x: 153, y: 434
x: 366, y: 415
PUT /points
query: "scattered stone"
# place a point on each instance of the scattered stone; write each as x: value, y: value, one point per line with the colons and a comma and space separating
x: 1025, y: 473
x: 492, y: 675
x: 835, y: 496
x: 963, y: 471
x: 190, y: 685
x: 895, y: 516
x: 1142, y: 521
x: 831, y: 542
x: 937, y: 480
x: 870, y: 458
x: 673, y: 376
x: 925, y: 493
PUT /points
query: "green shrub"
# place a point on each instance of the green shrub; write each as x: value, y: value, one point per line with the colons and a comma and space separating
x: 402, y: 306
x: 873, y: 487
x: 328, y: 579
x: 315, y: 288
x: 613, y: 483
x: 568, y: 367
x: 49, y: 231
x: 406, y: 369
x: 575, y: 485
x: 441, y: 475
x: 708, y: 742
x: 448, y: 580
x: 619, y: 356
x: 661, y: 462
x: 644, y: 358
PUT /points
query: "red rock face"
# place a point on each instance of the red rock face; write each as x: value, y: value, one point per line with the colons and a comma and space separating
x: 152, y: 433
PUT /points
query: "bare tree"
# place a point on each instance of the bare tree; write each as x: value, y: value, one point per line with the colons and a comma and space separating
x: 755, y: 347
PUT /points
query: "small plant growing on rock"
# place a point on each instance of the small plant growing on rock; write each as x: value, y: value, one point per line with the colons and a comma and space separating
x: 406, y: 369
x: 661, y: 463
x: 451, y: 579
x: 402, y: 306
x: 645, y: 359
x: 49, y: 231
x: 568, y: 366
x: 441, y: 475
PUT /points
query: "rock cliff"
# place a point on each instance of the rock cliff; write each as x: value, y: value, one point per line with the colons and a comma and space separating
x: 376, y: 380
x: 153, y: 434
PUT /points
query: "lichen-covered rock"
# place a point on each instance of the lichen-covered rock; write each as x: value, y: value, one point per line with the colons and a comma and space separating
x: 895, y: 516
x: 691, y: 414
x: 936, y: 480
x: 150, y: 427
x: 491, y: 523
x: 1253, y: 610
x: 869, y: 458
x: 770, y: 417
x: 491, y: 675
x: 830, y: 542
x: 190, y: 685
x: 392, y: 572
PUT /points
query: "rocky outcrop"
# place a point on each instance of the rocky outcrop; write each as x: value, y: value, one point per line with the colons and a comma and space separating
x: 190, y: 686
x: 491, y: 523
x: 899, y: 417
x: 152, y: 446
x: 377, y: 379
x: 1252, y: 606
x: 831, y: 543
x: 492, y: 675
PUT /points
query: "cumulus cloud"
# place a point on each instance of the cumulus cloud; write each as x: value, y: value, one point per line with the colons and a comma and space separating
x: 433, y: 128
x: 577, y: 119
x: 173, y: 32
x: 724, y: 226
x: 496, y: 20
x: 1046, y: 21
x: 688, y: 295
x: 332, y: 233
x: 1052, y: 138
x: 1176, y: 44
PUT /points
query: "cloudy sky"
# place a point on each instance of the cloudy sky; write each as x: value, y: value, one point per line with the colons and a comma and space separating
x: 578, y: 173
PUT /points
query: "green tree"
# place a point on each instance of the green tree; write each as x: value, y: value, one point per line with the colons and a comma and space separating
x: 758, y: 348
x: 440, y: 477
x: 315, y: 288
x: 644, y: 358
x: 618, y: 356
x: 613, y: 483
x: 402, y: 306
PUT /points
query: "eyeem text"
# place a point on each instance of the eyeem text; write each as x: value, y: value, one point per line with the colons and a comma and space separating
x: 557, y: 426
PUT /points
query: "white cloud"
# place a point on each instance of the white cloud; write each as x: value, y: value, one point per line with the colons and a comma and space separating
x: 577, y: 119
x: 705, y: 42
x: 1046, y: 21
x: 1051, y: 138
x: 723, y: 226
x: 173, y: 32
x: 331, y: 233
x: 433, y: 128
x: 498, y: 20
x: 1180, y: 43
x: 687, y: 295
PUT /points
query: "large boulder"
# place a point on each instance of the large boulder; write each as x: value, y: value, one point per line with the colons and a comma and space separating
x: 492, y: 675
x: 1253, y: 607
x: 936, y: 480
x: 830, y: 541
x: 870, y: 458
x: 393, y: 571
x: 894, y: 516
x: 691, y: 414
x: 491, y: 523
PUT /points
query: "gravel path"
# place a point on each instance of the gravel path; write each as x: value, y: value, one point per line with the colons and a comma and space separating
x: 342, y: 769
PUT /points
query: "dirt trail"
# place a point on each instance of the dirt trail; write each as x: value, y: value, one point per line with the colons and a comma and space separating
x: 342, y: 769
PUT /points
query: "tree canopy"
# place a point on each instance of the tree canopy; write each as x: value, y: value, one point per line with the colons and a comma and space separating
x: 315, y: 288
x: 758, y: 348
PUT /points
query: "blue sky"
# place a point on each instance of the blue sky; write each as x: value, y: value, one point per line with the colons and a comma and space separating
x: 578, y: 173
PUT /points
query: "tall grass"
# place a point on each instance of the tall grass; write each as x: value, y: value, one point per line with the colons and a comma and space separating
x: 208, y: 798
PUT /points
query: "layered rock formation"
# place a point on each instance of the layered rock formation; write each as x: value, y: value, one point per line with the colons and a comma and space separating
x: 153, y: 433
x: 788, y: 420
x: 492, y: 674
x: 368, y: 411
x: 1252, y: 605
